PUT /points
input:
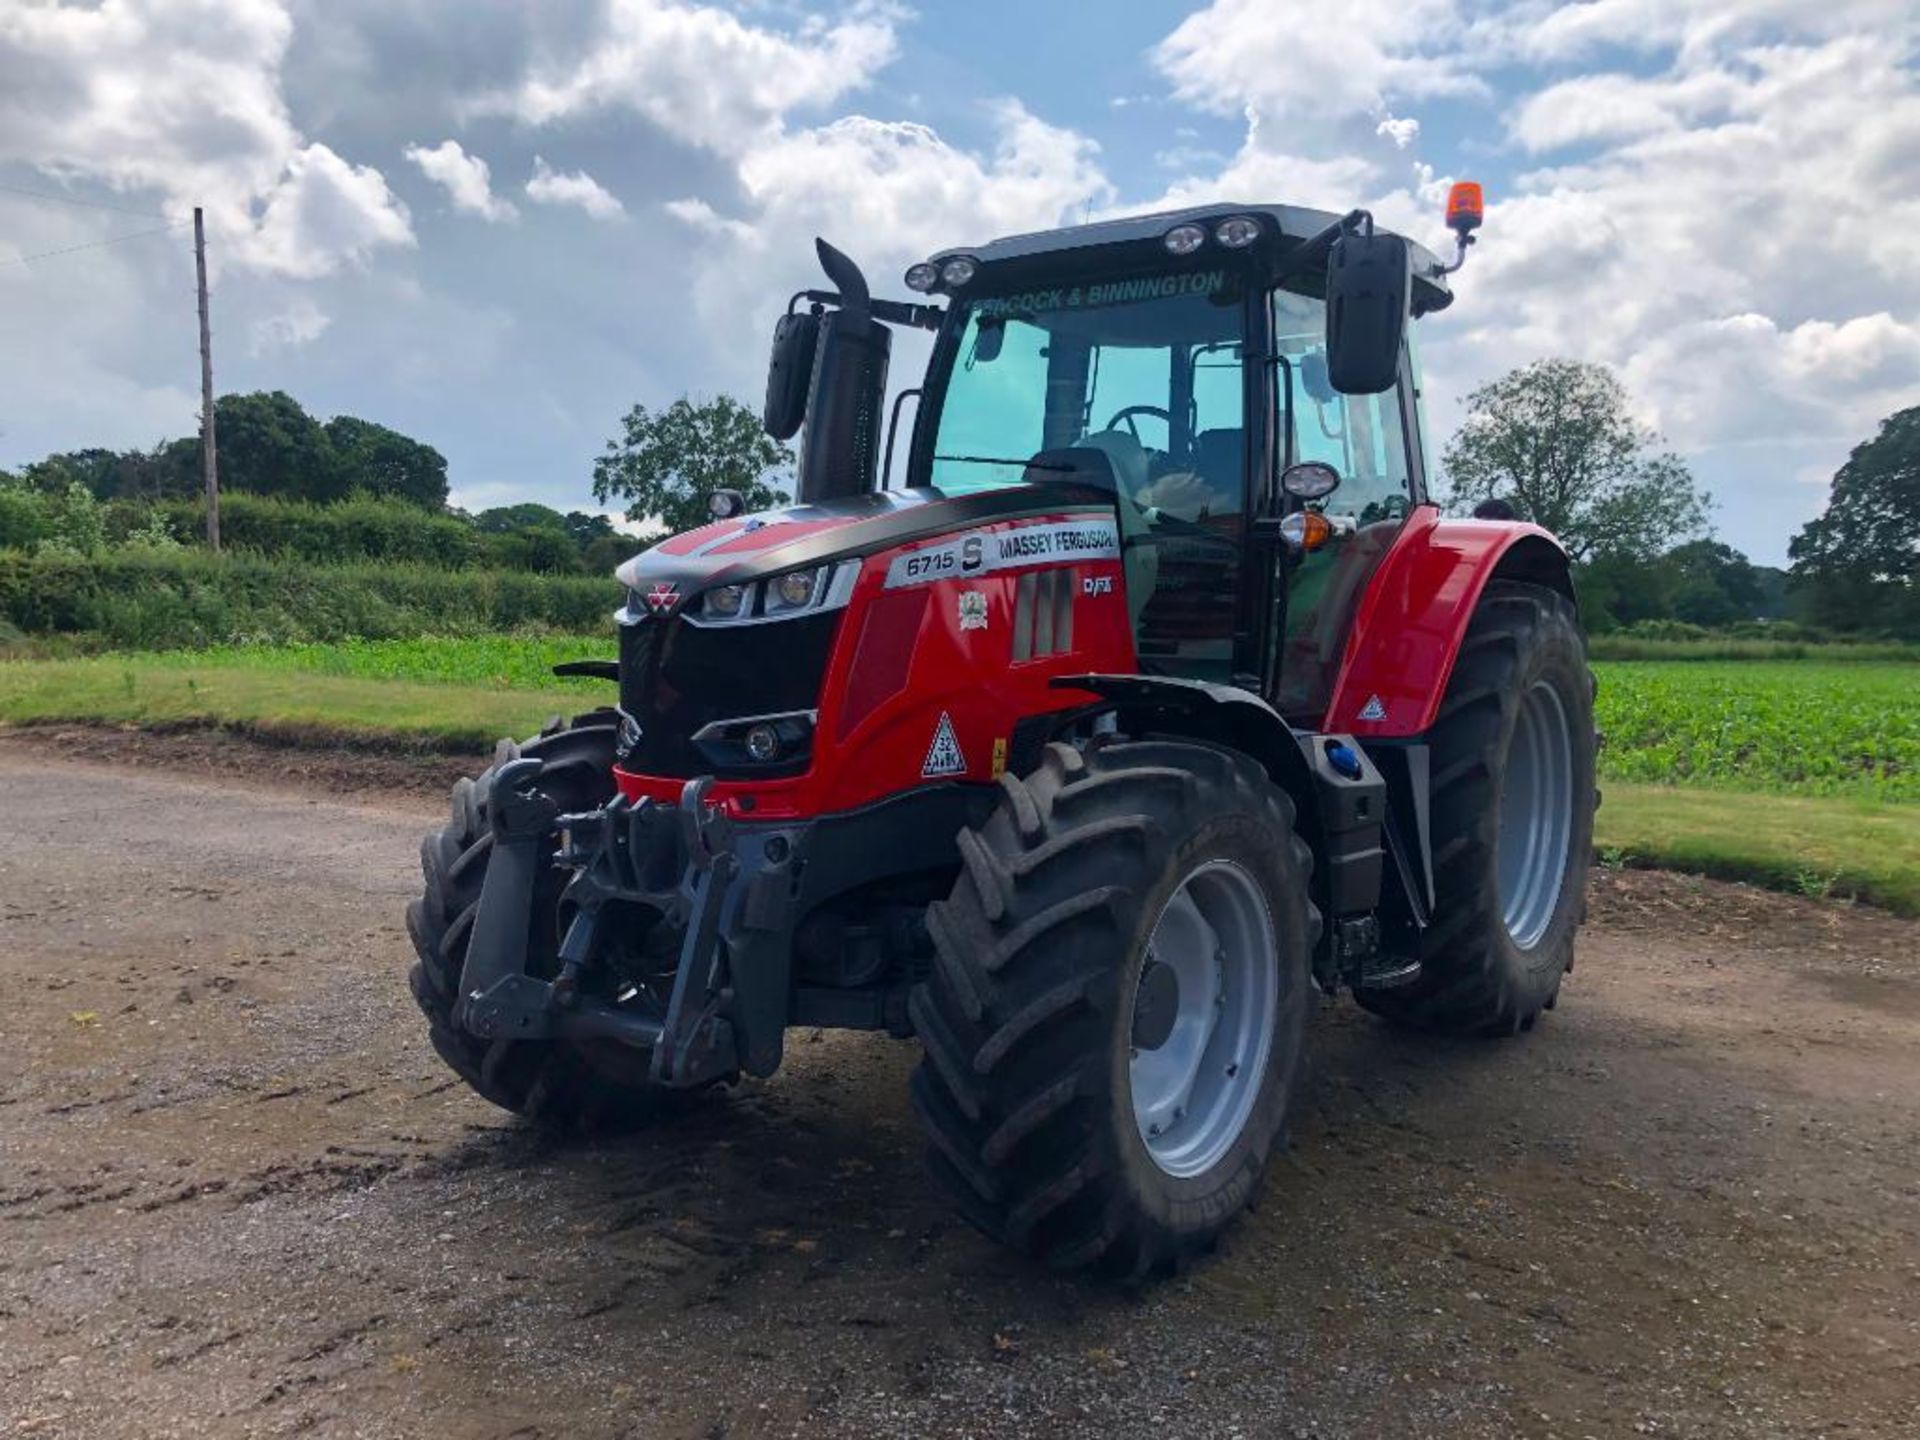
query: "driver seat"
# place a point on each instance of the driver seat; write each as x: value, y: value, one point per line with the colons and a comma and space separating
x: 1122, y: 471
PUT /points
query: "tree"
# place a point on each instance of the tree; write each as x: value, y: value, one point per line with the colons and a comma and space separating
x: 666, y: 465
x: 385, y: 462
x: 1858, y: 565
x: 1717, y: 585
x: 1554, y: 439
x: 528, y: 515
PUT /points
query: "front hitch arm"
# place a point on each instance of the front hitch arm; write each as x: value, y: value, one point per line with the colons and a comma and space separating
x: 521, y: 819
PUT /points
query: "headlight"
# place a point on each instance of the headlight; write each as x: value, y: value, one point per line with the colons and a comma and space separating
x: 958, y: 271
x: 758, y: 741
x: 796, y: 589
x: 727, y: 602
x: 791, y: 596
x: 922, y: 277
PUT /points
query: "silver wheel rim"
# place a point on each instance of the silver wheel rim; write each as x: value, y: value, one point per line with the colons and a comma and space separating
x: 1536, y: 816
x: 1194, y: 1091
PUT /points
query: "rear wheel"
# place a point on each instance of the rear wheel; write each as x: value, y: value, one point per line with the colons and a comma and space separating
x: 1115, y: 1027
x: 1512, y: 820
x: 555, y: 1082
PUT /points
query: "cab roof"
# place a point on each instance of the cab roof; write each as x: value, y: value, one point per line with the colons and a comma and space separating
x: 1137, y: 240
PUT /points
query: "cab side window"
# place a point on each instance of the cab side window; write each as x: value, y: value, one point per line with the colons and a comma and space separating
x: 1361, y: 436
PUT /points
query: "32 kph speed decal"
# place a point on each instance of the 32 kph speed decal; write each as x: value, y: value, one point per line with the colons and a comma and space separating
x: 981, y: 552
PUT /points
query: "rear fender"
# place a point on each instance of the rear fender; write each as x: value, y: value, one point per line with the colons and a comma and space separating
x: 1410, y: 623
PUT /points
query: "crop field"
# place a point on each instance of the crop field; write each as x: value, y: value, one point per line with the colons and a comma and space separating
x: 1800, y: 774
x: 1799, y: 727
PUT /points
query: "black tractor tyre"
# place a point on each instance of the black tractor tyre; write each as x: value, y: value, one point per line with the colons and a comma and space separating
x: 559, y: 1084
x: 1028, y: 1022
x: 1477, y: 976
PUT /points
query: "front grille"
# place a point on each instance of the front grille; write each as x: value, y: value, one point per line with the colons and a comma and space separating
x: 676, y: 678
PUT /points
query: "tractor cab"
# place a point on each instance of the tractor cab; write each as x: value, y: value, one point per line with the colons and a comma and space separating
x: 1213, y: 371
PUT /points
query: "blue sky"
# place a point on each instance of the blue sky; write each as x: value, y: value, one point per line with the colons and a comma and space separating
x: 496, y: 225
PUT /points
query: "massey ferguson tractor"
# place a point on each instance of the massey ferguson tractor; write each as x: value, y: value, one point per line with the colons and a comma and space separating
x: 1159, y: 701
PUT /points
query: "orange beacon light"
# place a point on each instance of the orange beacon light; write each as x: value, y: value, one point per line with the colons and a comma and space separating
x: 1466, y: 207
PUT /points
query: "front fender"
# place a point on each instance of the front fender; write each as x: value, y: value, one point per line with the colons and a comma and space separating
x: 1408, y: 627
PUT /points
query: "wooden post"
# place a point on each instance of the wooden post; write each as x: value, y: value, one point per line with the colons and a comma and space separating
x: 209, y: 462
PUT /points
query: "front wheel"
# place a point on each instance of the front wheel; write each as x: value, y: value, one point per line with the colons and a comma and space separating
x: 1511, y: 754
x: 1115, y: 1027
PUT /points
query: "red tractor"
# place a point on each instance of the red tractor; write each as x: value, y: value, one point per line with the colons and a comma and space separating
x: 1159, y: 701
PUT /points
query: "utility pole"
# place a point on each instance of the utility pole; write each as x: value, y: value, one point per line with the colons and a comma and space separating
x: 209, y: 463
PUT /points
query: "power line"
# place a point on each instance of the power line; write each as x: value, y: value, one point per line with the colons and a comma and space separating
x: 75, y: 200
x: 94, y: 244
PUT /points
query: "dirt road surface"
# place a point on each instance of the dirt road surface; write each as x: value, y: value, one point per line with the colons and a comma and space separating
x: 239, y: 1196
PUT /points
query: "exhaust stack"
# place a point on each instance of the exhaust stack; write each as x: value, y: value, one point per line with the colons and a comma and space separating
x: 840, y: 454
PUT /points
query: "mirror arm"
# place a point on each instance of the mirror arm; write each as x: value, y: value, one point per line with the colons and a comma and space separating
x: 893, y: 426
x: 893, y: 312
x: 1315, y: 248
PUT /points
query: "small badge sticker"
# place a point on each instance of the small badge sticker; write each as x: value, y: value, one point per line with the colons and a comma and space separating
x: 999, y: 756
x: 943, y: 755
x: 1373, y: 709
x: 973, y: 610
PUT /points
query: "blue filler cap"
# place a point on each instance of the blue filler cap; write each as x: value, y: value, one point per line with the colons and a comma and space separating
x: 1344, y: 760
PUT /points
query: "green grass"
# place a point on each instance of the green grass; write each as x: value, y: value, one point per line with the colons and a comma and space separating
x: 1810, y: 845
x: 490, y: 662
x: 283, y: 699
x: 1798, y: 775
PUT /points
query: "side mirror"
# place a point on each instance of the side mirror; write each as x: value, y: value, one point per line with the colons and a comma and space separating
x: 1369, y: 284
x: 1310, y: 480
x: 789, y: 374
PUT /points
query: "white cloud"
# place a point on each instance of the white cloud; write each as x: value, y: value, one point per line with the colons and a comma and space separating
x: 703, y: 217
x: 577, y: 188
x: 702, y: 74
x: 300, y: 323
x: 1301, y: 62
x: 1402, y: 130
x: 888, y: 193
x: 182, y: 98
x: 466, y: 179
x: 1795, y: 204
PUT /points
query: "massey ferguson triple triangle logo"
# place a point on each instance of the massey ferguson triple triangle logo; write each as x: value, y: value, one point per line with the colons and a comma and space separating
x: 662, y: 597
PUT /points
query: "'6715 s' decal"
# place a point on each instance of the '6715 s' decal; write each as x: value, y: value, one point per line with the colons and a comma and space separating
x: 980, y: 552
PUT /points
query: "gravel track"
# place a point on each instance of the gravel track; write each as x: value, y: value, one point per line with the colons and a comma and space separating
x: 239, y: 1196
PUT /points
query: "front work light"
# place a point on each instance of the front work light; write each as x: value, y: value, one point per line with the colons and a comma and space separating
x: 922, y: 277
x: 1184, y: 239
x: 1236, y: 232
x: 958, y: 271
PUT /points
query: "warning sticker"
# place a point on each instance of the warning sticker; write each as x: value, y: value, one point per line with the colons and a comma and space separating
x: 943, y: 755
x: 1373, y: 709
x: 982, y: 552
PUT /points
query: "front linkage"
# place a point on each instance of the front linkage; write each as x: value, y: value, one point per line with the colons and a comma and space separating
x: 732, y: 892
x: 681, y: 860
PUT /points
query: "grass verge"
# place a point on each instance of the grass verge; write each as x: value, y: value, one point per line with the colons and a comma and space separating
x: 283, y: 702
x: 1809, y: 845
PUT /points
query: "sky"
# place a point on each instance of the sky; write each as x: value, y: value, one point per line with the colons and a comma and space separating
x: 496, y: 225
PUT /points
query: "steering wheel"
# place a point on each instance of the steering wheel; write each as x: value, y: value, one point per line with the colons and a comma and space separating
x: 1127, y: 412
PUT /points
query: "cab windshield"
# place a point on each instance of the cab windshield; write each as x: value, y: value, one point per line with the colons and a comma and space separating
x: 1146, y: 369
